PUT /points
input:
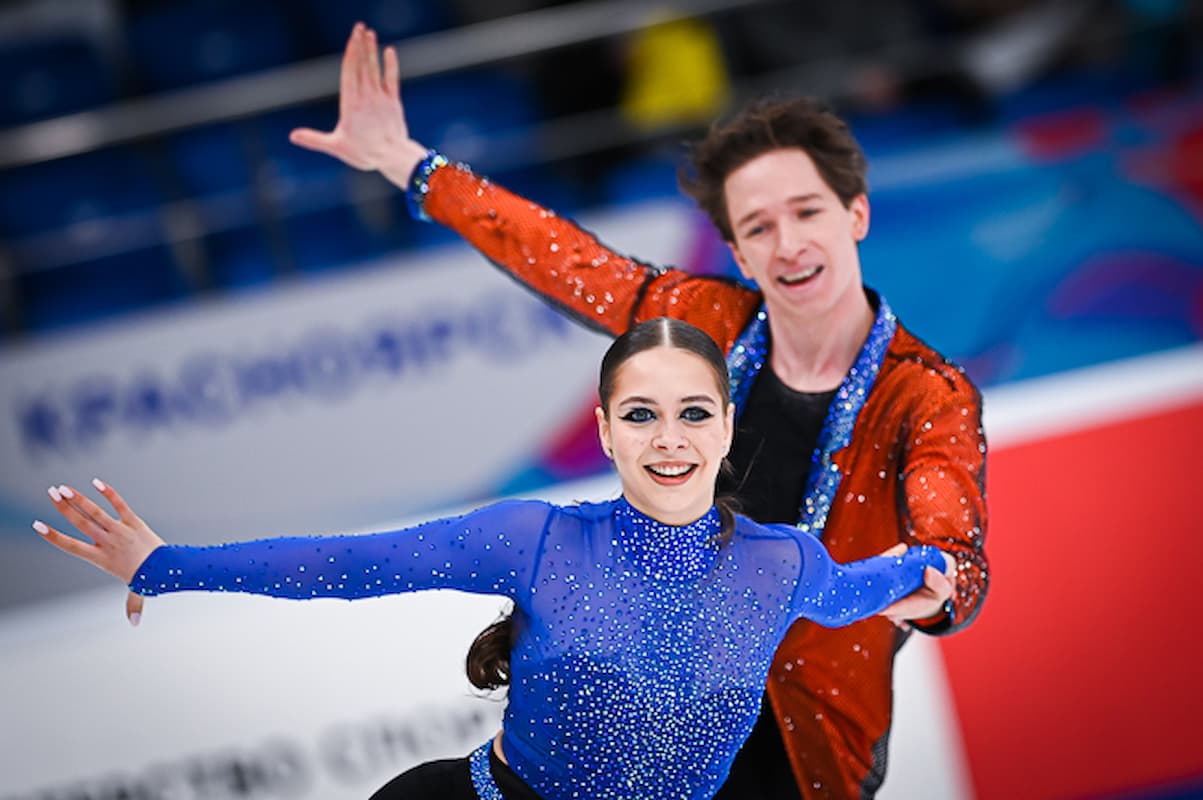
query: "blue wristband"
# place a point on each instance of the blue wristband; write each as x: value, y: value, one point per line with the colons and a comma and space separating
x: 419, y: 184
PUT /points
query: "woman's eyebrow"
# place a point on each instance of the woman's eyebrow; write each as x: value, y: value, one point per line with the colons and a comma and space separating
x: 647, y: 401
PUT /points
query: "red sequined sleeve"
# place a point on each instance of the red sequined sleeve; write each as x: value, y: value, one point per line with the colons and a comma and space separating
x: 944, y: 483
x: 569, y: 267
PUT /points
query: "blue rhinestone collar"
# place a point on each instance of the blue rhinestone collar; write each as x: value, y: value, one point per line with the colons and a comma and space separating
x: 750, y: 353
x: 667, y: 552
x: 482, y: 773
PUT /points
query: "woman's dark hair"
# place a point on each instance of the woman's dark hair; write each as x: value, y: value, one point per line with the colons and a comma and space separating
x: 488, y: 661
x: 765, y: 125
x: 660, y: 332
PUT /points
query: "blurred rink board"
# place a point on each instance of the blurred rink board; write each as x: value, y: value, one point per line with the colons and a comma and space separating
x: 1073, y: 664
x: 235, y: 696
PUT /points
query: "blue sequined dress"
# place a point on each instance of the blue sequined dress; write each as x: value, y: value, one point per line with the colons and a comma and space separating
x: 642, y: 648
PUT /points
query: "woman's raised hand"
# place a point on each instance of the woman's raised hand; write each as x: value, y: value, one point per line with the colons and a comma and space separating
x: 117, y: 546
x: 371, y: 133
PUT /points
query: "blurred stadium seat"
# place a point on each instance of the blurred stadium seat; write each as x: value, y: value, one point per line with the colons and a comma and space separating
x: 474, y: 115
x: 211, y: 159
x: 241, y: 257
x: 100, y: 288
x: 84, y: 188
x: 391, y: 19
x: 184, y: 43
x: 650, y: 177
x: 88, y: 237
x: 52, y: 76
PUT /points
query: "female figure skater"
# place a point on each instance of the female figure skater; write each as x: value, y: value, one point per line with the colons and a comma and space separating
x: 644, y: 625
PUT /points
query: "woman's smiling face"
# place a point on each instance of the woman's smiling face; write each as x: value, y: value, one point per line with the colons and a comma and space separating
x: 668, y: 427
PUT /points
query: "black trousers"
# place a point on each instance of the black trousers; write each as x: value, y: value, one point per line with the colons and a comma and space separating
x: 761, y: 770
x: 450, y: 779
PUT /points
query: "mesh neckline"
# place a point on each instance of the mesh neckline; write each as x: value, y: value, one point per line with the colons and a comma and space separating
x: 667, y: 552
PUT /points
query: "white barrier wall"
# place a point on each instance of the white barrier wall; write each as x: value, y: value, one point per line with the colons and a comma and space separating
x: 223, y: 697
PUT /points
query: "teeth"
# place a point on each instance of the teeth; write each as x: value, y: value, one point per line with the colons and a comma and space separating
x: 801, y: 276
x: 671, y: 472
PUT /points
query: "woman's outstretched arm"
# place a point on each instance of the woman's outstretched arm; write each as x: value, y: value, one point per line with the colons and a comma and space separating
x: 492, y: 550
x: 835, y: 594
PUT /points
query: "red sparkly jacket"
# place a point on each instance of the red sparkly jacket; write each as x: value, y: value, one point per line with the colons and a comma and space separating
x: 913, y: 472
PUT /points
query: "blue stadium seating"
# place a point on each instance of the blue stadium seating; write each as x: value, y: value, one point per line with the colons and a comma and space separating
x: 185, y: 43
x: 211, y: 159
x: 50, y: 77
x: 87, y: 238
x: 392, y: 20
x: 650, y: 177
x: 92, y: 186
x: 241, y: 258
x: 100, y: 288
x: 476, y: 116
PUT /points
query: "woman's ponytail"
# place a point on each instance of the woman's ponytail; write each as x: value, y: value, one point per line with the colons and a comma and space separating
x: 488, y: 662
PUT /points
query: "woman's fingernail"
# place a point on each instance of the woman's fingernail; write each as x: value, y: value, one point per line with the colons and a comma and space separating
x: 41, y: 527
x: 66, y: 492
x: 54, y: 495
x: 99, y: 484
x: 135, y: 618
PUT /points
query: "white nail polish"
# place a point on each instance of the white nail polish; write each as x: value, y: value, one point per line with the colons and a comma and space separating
x: 54, y: 495
x: 135, y: 618
x: 41, y: 527
x: 99, y: 484
x: 66, y: 492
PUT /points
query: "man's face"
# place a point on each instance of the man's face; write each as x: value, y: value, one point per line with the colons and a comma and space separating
x: 792, y: 235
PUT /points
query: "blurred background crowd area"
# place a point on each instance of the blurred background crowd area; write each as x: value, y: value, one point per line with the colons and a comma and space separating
x: 144, y: 157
